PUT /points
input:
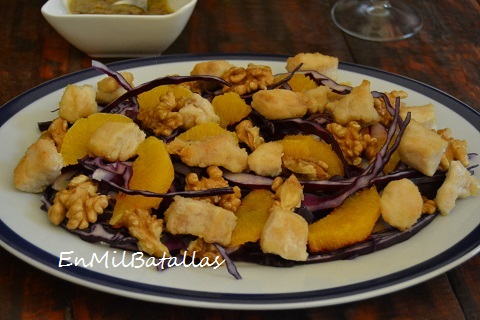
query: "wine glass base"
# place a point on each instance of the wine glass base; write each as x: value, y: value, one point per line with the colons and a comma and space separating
x: 376, y: 20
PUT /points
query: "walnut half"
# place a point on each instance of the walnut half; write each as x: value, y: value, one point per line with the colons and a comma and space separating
x: 79, y: 202
x: 147, y: 229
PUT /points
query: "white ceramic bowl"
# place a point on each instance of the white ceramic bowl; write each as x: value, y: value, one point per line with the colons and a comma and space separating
x: 119, y: 35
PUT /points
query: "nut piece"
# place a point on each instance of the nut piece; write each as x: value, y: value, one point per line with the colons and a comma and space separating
x: 56, y: 131
x: 221, y: 150
x: 421, y: 148
x: 356, y: 106
x: 39, y: 167
x: 164, y: 117
x: 109, y: 89
x: 459, y: 183
x: 279, y: 104
x: 402, y: 204
x: 307, y: 169
x: 251, y: 79
x: 147, y: 229
x: 200, y: 249
x: 215, y: 180
x: 197, y: 110
x: 77, y: 102
x: 200, y: 218
x: 79, y: 202
x: 285, y: 233
x: 318, y: 97
x: 323, y: 64
x: 289, y: 194
x: 116, y: 141
x: 353, y: 141
x: 379, y: 104
x: 266, y: 160
x: 429, y: 206
x: 249, y: 134
x: 456, y: 150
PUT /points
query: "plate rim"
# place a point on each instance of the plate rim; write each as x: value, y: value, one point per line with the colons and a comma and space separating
x: 454, y: 256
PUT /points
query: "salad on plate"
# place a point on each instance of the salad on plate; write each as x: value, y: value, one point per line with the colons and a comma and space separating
x: 240, y: 164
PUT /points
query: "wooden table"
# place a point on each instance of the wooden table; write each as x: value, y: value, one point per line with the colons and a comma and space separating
x: 445, y: 54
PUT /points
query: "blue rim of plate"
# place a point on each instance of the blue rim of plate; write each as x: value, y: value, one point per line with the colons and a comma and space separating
x: 47, y: 262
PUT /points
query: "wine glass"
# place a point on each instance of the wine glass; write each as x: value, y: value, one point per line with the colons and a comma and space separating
x: 376, y: 20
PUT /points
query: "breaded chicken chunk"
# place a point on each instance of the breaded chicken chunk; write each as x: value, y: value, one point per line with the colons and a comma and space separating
x: 109, y: 89
x: 77, y: 102
x: 424, y: 114
x: 197, y: 110
x: 221, y: 150
x: 277, y: 104
x: 358, y: 106
x: 39, y: 167
x: 116, y: 141
x: 205, y: 220
x: 458, y: 184
x: 266, y: 160
x: 421, y: 148
x: 401, y: 204
x: 321, y: 63
x: 212, y: 68
x: 285, y: 233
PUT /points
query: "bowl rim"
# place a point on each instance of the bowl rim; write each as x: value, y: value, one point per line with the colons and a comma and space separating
x: 51, y: 4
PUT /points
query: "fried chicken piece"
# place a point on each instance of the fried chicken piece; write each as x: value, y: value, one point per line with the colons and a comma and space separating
x: 277, y: 104
x: 39, y: 167
x: 357, y: 106
x: 109, y: 89
x: 116, y: 141
x: 321, y: 63
x: 205, y: 220
x: 421, y: 148
x: 266, y: 160
x: 221, y: 150
x: 402, y: 204
x: 285, y: 233
x: 77, y: 102
x: 458, y: 184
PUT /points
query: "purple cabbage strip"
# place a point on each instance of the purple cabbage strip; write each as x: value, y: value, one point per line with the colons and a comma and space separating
x: 109, y: 173
x: 130, y: 109
x: 112, y: 73
x: 315, y: 128
x: 252, y: 253
x: 186, y: 194
x: 284, y: 81
x: 322, y: 80
x: 377, y: 241
x: 119, y: 170
x: 364, y: 180
x: 248, y: 180
x: 232, y: 269
x: 102, y: 232
x: 159, y: 82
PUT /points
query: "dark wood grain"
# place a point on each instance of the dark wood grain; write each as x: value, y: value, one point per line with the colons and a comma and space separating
x: 445, y: 54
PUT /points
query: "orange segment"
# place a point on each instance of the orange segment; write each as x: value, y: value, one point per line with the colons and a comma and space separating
x: 75, y: 142
x: 299, y: 82
x: 149, y: 99
x: 251, y: 217
x: 309, y: 148
x: 203, y: 131
x: 352, y: 222
x: 231, y: 108
x: 152, y: 171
